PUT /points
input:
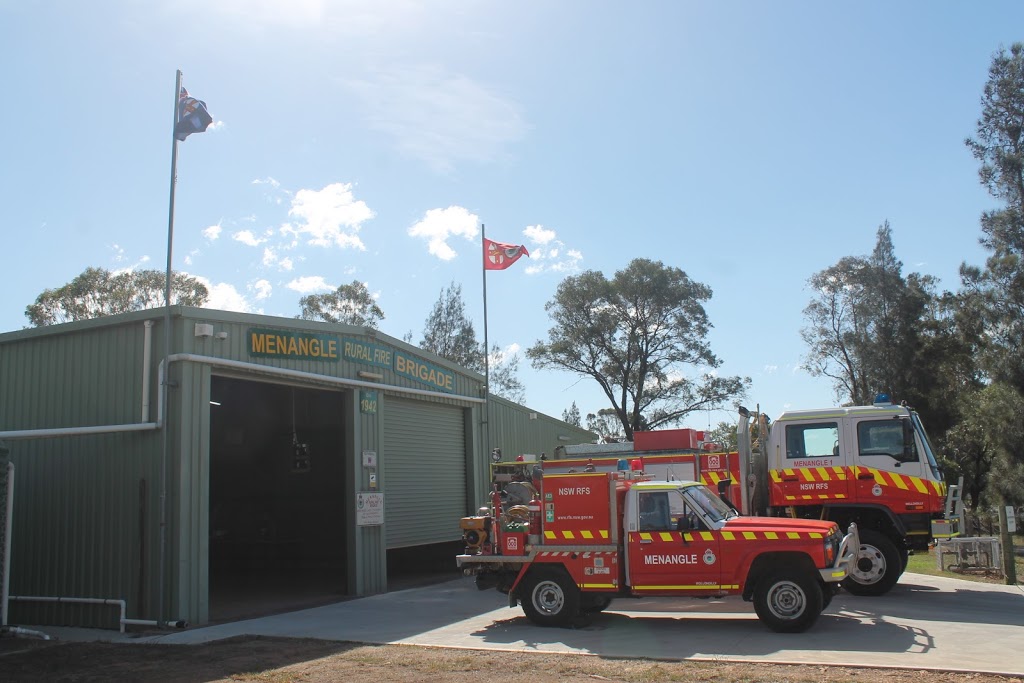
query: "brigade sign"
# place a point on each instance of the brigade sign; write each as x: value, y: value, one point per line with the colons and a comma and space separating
x: 267, y: 343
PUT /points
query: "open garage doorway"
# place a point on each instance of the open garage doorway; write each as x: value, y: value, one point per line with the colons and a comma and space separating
x: 277, y: 498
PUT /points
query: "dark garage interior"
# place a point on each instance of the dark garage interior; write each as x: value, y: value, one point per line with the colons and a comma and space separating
x: 277, y: 509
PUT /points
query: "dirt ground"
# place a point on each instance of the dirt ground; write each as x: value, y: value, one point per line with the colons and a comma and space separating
x: 284, y: 660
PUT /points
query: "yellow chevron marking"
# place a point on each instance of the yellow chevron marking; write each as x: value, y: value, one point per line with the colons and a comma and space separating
x: 587, y: 534
x: 568, y: 535
x: 815, y: 534
x: 823, y: 473
x: 750, y: 535
x: 724, y: 587
x: 793, y: 534
x: 550, y: 535
x: 646, y: 536
x: 776, y: 477
x: 728, y: 536
x: 899, y: 480
x: 665, y: 535
x: 771, y: 535
x: 707, y: 535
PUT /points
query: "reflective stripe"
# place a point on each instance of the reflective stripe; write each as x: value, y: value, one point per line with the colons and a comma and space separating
x: 722, y: 587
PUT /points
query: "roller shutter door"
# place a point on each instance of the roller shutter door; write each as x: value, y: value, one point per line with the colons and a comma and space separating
x: 424, y: 467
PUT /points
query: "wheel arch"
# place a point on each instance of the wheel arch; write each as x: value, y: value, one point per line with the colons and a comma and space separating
x: 766, y: 564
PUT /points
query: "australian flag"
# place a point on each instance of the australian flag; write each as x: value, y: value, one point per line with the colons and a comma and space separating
x: 192, y: 116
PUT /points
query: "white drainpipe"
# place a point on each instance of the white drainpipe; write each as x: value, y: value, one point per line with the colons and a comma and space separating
x: 120, y: 604
x: 147, y: 355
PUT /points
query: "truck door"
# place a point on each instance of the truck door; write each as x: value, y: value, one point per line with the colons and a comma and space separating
x: 665, y: 555
x: 887, y: 472
x: 811, y: 469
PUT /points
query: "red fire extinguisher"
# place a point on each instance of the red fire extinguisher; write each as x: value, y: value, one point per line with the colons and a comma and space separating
x: 535, y: 519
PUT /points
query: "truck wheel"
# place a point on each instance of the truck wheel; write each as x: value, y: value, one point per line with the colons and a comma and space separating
x: 550, y: 597
x: 877, y: 566
x: 592, y: 603
x: 788, y: 602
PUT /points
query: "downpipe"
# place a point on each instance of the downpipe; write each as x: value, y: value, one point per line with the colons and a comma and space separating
x: 114, y: 602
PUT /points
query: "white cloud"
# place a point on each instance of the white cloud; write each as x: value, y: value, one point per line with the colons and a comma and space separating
x: 548, y: 253
x: 440, y: 117
x: 332, y: 216
x: 225, y: 297
x: 538, y: 234
x: 771, y: 369
x: 309, y: 284
x: 439, y: 225
x: 247, y: 238
x: 213, y: 232
x: 262, y: 289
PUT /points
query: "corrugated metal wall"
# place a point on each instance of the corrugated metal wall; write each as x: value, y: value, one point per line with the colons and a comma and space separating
x: 85, y: 507
x: 424, y: 464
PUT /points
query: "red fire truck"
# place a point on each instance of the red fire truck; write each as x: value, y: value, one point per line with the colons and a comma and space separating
x: 869, y: 465
x: 586, y: 538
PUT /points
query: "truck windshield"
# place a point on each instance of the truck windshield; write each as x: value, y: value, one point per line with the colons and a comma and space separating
x: 928, y: 450
x: 713, y: 507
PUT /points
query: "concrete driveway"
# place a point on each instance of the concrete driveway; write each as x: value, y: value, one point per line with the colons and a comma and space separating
x: 925, y: 622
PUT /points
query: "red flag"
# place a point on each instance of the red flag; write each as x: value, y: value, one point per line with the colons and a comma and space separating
x: 498, y: 256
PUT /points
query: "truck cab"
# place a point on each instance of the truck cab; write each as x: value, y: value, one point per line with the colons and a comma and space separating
x: 682, y: 539
x: 870, y: 465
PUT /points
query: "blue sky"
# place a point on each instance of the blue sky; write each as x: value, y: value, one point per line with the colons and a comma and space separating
x: 750, y: 144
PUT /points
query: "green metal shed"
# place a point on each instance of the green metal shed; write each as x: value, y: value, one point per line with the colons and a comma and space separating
x: 158, y: 481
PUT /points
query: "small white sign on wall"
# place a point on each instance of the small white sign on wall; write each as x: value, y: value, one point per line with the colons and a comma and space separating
x: 369, y: 508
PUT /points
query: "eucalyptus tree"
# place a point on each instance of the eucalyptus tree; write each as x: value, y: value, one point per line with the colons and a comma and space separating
x: 640, y: 335
x: 350, y: 304
x: 97, y: 292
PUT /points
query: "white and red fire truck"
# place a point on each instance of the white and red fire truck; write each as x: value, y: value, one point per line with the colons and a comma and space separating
x: 585, y: 538
x: 869, y: 465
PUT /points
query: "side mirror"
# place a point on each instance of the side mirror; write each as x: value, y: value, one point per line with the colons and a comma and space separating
x: 909, y: 448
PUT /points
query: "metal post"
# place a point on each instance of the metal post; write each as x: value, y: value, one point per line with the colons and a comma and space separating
x: 167, y: 351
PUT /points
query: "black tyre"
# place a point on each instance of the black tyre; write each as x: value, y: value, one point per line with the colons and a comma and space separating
x: 592, y: 603
x: 549, y: 597
x: 905, y: 557
x: 827, y: 593
x: 787, y: 601
x: 876, y: 568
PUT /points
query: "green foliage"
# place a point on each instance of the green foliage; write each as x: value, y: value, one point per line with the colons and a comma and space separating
x: 606, y: 424
x: 449, y: 333
x: 571, y: 415
x: 97, y: 292
x: 723, y: 433
x: 998, y: 289
x: 350, y: 304
x: 992, y: 298
x: 866, y: 325
x: 635, y: 335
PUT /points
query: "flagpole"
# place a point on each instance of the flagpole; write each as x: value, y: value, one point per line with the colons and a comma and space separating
x: 167, y: 351
x: 487, y: 349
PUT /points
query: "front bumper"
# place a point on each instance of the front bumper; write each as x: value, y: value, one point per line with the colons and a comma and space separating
x: 845, y: 558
